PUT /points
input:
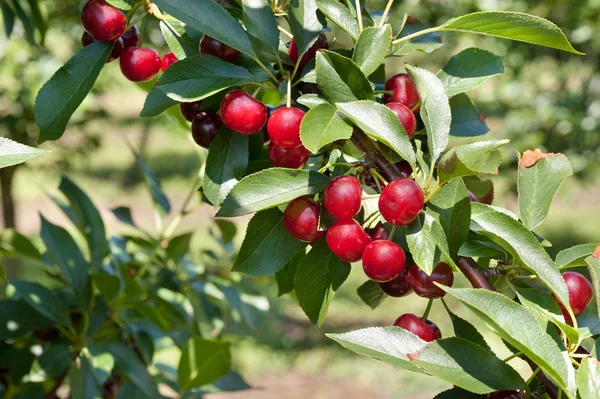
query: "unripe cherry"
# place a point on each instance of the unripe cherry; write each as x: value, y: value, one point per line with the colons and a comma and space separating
x: 383, y: 260
x: 301, y: 219
x: 284, y: 126
x: 205, y: 127
x: 397, y: 287
x: 293, y: 158
x: 401, y: 201
x: 404, y: 91
x: 103, y: 21
x: 321, y: 43
x: 213, y: 47
x: 342, y: 197
x: 406, y: 117
x: 140, y: 64
x: 423, y: 284
x: 243, y: 113
x: 426, y: 330
x: 347, y: 239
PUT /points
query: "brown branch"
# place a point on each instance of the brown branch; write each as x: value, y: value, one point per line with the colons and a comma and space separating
x: 474, y: 274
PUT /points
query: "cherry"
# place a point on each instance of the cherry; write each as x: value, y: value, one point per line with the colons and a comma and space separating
x: 426, y: 330
x: 293, y: 158
x: 580, y: 294
x: 211, y: 46
x: 401, y: 201
x: 242, y: 113
x: 140, y: 64
x: 321, y: 43
x: 190, y: 110
x: 404, y: 168
x: 406, y: 117
x: 505, y: 395
x: 347, y: 240
x: 404, y: 91
x: 397, y: 287
x: 116, y: 52
x: 342, y: 197
x: 301, y: 219
x: 284, y: 127
x: 383, y: 260
x: 205, y: 127
x: 378, y: 232
x: 423, y: 285
x: 105, y: 22
x: 131, y: 37
x: 168, y: 60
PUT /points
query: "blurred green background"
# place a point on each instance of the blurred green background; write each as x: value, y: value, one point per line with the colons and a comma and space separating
x: 546, y: 99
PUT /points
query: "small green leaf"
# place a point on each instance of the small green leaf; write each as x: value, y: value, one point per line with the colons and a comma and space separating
x: 161, y: 202
x: 124, y: 5
x: 311, y: 100
x: 178, y: 45
x: 285, y: 277
x: 370, y: 292
x: 464, y: 329
x: 467, y: 121
x: 574, y: 256
x: 156, y: 103
x: 477, y: 246
x: 471, y: 159
x: 322, y: 125
x: 228, y: 230
x: 13, y: 153
x: 123, y: 213
x: 459, y: 393
x: 18, y: 318
x: 593, y: 263
x: 371, y: 48
x: 56, y: 360
x: 340, y: 79
x: 340, y: 15
x: 260, y: 22
x: 85, y: 384
x: 129, y: 364
x: 588, y: 378
x: 304, y: 23
x: 427, y: 243
x: 41, y: 299
x: 202, y: 362
x: 8, y: 18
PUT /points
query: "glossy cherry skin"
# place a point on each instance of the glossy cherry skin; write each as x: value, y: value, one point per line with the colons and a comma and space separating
x: 293, y: 158
x: 116, y: 52
x: 342, y: 197
x: 321, y: 43
x: 383, y: 260
x: 284, y: 126
x: 378, y: 232
x: 140, y: 64
x: 242, y: 113
x: 103, y: 21
x: 131, y: 38
x: 205, y: 127
x: 404, y: 168
x: 406, y: 117
x: 347, y: 240
x: 426, y: 330
x: 423, y: 285
x: 301, y: 219
x: 211, y: 46
x: 580, y: 294
x: 404, y: 91
x: 168, y: 60
x: 505, y: 395
x: 397, y: 287
x: 401, y: 201
x: 190, y: 110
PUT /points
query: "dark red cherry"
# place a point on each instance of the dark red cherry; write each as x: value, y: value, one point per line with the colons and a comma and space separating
x: 397, y: 287
x: 426, y: 330
x: 321, y: 43
x: 205, y: 127
x: 131, y: 38
x: 580, y: 294
x: 342, y: 197
x: 406, y: 117
x: 401, y: 201
x: 284, y: 127
x: 140, y: 64
x: 211, y: 46
x: 505, y: 395
x: 404, y: 168
x: 168, y: 60
x: 293, y: 158
x: 347, y: 239
x: 301, y: 219
x: 378, y: 232
x: 103, y: 21
x: 190, y: 110
x: 116, y: 52
x: 243, y: 113
x: 383, y: 260
x: 423, y: 285
x: 404, y: 91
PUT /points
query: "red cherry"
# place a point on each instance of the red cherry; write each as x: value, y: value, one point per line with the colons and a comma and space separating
x: 284, y: 127
x: 423, y: 285
x: 190, y: 110
x: 213, y: 47
x: 301, y: 219
x: 242, y: 113
x: 378, y: 232
x: 131, y: 37
x: 505, y: 395
x: 426, y: 330
x: 205, y: 128
x: 406, y: 117
x: 342, y: 197
x: 383, y: 260
x: 404, y: 90
x: 140, y: 64
x: 580, y: 294
x: 116, y: 52
x: 347, y: 240
x: 401, y: 201
x: 397, y: 287
x: 105, y: 22
x: 404, y: 168
x: 293, y: 158
x: 321, y: 43
x: 168, y: 60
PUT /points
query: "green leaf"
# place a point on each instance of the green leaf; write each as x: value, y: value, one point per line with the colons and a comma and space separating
x: 471, y: 159
x: 8, y: 18
x: 161, y: 202
x: 260, y: 22
x: 125, y: 5
x: 65, y: 91
x: 319, y: 276
x: 512, y: 25
x: 427, y: 243
x: 304, y: 23
x: 177, y: 44
x: 211, y: 18
x: 458, y: 393
x: 270, y: 188
x: 593, y: 263
x: 18, y: 318
x: 467, y: 121
x: 41, y: 299
x: 311, y: 100
x: 109, y: 286
x: 537, y: 187
x: 123, y: 213
x: 228, y: 230
x: 380, y: 123
x: 370, y: 292
x: 285, y: 277
x: 477, y: 246
x: 267, y: 246
x: 468, y: 70
x: 129, y: 364
x: 201, y: 76
x: 515, y: 325
x: 588, y: 378
x: 322, y: 125
x: 156, y: 103
x: 56, y: 360
x: 340, y: 79
x: 371, y: 48
x: 225, y: 166
x: 13, y: 153
x: 202, y: 362
x: 465, y: 330
x: 85, y: 384
x: 574, y: 256
x: 426, y: 43
x: 13, y: 244
x: 435, y: 108
x: 340, y: 15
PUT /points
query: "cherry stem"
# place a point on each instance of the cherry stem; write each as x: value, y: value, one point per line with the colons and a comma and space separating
x: 416, y: 34
x: 285, y: 32
x: 264, y: 68
x: 366, y: 197
x: 513, y: 356
x: 359, y: 16
x: 535, y: 373
x: 427, y: 309
x: 372, y: 219
x: 289, y: 91
x: 385, y: 12
x: 392, y: 232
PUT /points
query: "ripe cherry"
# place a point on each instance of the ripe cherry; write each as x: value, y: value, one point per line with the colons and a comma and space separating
x: 205, y: 127
x: 505, y: 395
x: 140, y: 64
x: 242, y: 113
x: 397, y: 287
x: 116, y: 52
x: 342, y: 197
x: 383, y: 260
x: 103, y: 21
x: 131, y: 38
x: 321, y: 43
x: 423, y: 285
x: 406, y: 117
x: 580, y: 294
x: 401, y: 201
x: 378, y: 232
x: 190, y: 110
x: 284, y: 127
x: 426, y: 330
x: 293, y: 158
x: 404, y: 91
x: 404, y: 168
x: 211, y: 46
x: 347, y: 240
x: 301, y: 219
x: 168, y: 60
